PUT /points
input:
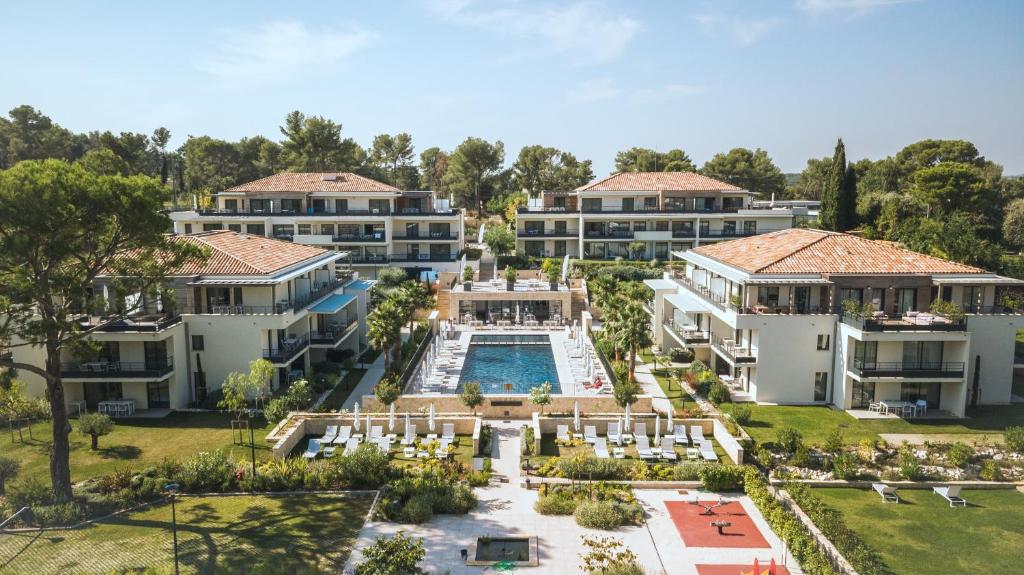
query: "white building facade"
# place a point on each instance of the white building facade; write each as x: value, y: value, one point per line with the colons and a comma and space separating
x: 805, y: 316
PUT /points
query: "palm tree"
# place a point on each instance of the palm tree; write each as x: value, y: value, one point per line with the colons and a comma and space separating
x: 633, y: 332
x: 411, y: 296
x: 385, y: 329
x: 612, y: 322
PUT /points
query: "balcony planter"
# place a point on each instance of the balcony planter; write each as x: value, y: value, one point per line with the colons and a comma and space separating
x: 510, y: 278
x: 467, y: 286
x: 553, y: 286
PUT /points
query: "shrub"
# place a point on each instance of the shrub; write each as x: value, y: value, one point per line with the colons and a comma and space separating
x: 1014, y: 438
x: 30, y: 492
x: 9, y: 468
x: 591, y: 468
x: 990, y: 471
x: 419, y: 509
x: 528, y: 439
x: 207, y: 471
x: 959, y: 454
x: 365, y: 468
x: 478, y: 478
x: 681, y: 355
x: 863, y: 557
x: 559, y: 503
x: 608, y: 556
x: 844, y: 465
x: 741, y: 413
x: 801, y: 457
x: 722, y: 477
x: 598, y: 515
x: 392, y: 556
x: 789, y: 438
x: 834, y: 442
x: 95, y: 425
x: 718, y: 393
x: 60, y: 514
x: 908, y: 464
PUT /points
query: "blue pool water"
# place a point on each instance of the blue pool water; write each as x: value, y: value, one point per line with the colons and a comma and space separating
x: 494, y: 362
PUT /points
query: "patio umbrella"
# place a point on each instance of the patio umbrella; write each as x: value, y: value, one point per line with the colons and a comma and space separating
x: 367, y: 422
x: 625, y: 422
x: 757, y: 567
x: 657, y: 429
x: 391, y: 417
x: 430, y: 421
x: 407, y: 423
x: 576, y: 415
x: 669, y: 428
x: 771, y: 567
x: 355, y: 416
x: 618, y: 421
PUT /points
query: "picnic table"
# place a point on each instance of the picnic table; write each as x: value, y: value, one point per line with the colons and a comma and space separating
x: 900, y: 407
x: 116, y: 407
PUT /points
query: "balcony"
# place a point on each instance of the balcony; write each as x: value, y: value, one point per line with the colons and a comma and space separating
x: 529, y: 234
x: 434, y: 237
x: 370, y: 259
x: 417, y: 213
x: 138, y: 323
x: 921, y: 323
x: 286, y: 349
x: 423, y: 257
x: 690, y: 334
x: 358, y: 238
x: 333, y: 335
x: 670, y: 209
x: 219, y: 307
x: 941, y: 370
x: 608, y: 234
x: 545, y: 210
x: 108, y: 369
x: 737, y: 354
x: 713, y: 234
x: 310, y: 212
x: 684, y: 234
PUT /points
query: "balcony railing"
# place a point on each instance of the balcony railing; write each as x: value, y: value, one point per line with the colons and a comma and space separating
x: 733, y: 352
x: 332, y: 336
x: 729, y: 233
x: 149, y: 323
x: 106, y: 369
x: 309, y: 212
x: 932, y: 323
x: 370, y: 259
x: 287, y: 349
x: 415, y: 213
x: 703, y: 292
x: 684, y: 234
x: 358, y: 238
x: 437, y: 237
x: 545, y: 210
x: 423, y: 258
x: 690, y: 334
x: 608, y: 234
x: 664, y: 210
x: 923, y: 369
x: 547, y: 233
x: 321, y: 289
x: 767, y: 308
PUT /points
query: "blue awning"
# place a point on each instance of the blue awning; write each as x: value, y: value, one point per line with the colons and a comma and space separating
x: 333, y: 303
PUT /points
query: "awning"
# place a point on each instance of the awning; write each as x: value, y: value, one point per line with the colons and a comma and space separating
x: 785, y: 282
x: 977, y: 280
x: 360, y: 285
x: 333, y: 303
x: 234, y: 282
x: 661, y: 284
x: 687, y: 303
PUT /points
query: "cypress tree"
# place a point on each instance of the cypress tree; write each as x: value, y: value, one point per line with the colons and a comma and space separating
x: 847, y: 218
x: 830, y: 196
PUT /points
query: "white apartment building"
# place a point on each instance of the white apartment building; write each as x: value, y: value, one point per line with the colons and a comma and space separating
x: 767, y: 313
x: 667, y: 211
x: 376, y: 224
x: 255, y: 297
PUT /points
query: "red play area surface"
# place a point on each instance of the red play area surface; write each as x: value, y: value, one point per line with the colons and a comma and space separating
x: 737, y: 569
x: 697, y: 531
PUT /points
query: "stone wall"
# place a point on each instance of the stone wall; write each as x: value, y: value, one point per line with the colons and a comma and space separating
x: 511, y: 406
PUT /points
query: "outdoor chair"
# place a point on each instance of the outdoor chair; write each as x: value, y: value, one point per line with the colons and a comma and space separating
x: 344, y: 434
x: 329, y: 435
x: 448, y: 432
x: 601, y: 448
x: 376, y: 432
x: 643, y: 448
x: 640, y: 431
x: 614, y: 435
x: 329, y: 451
x: 707, y: 451
x: 562, y: 433
x: 668, y: 449
x: 921, y: 406
x: 312, y: 449
x: 887, y: 492
x: 383, y: 444
x: 410, y: 434
x: 951, y: 493
x: 680, y: 435
x: 351, y: 446
x: 697, y: 433
x: 590, y: 433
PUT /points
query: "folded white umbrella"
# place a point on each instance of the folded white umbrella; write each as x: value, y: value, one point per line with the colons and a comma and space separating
x: 430, y: 422
x: 657, y: 429
x: 625, y: 422
x: 355, y: 416
x: 391, y: 417
x: 576, y: 415
x: 669, y: 427
x: 618, y: 440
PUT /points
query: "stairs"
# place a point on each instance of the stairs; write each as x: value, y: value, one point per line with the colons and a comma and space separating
x: 444, y: 298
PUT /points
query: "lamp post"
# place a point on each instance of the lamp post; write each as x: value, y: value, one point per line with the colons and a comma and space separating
x: 172, y: 488
x: 252, y: 442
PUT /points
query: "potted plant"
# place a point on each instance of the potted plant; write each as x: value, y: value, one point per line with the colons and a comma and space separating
x: 552, y: 269
x: 467, y: 278
x: 510, y: 278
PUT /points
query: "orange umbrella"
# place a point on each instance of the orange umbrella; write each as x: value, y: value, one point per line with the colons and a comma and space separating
x: 757, y: 567
x: 771, y: 568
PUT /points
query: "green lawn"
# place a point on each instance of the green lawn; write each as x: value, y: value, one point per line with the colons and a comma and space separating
x: 923, y: 535
x: 817, y: 422
x: 234, y: 534
x: 340, y: 393
x: 134, y: 442
x: 549, y: 449
x: 679, y: 398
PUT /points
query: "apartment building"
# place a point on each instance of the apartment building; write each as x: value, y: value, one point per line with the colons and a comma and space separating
x: 807, y: 316
x: 255, y: 297
x: 667, y: 211
x: 374, y: 223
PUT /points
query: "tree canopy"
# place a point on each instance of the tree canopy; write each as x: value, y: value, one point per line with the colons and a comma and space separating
x: 751, y: 170
x: 471, y: 167
x: 540, y: 168
x: 648, y: 160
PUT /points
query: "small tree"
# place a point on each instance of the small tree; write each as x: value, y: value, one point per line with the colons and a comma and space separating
x: 396, y: 555
x: 552, y: 268
x: 95, y: 425
x: 636, y: 249
x: 467, y: 274
x: 387, y: 390
x: 471, y: 396
x: 541, y: 395
x: 625, y: 392
x: 501, y: 241
x: 9, y: 468
x: 664, y: 360
x: 510, y: 274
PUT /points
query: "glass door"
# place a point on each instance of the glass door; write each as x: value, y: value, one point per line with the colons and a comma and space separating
x: 158, y: 394
x: 906, y: 300
x: 863, y: 394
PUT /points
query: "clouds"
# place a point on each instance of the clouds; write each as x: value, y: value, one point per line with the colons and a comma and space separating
x: 850, y: 6
x: 279, y: 51
x: 741, y: 31
x: 605, y: 89
x: 585, y: 31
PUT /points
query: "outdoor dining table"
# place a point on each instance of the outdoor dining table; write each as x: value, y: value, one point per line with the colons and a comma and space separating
x: 116, y: 407
x: 901, y: 407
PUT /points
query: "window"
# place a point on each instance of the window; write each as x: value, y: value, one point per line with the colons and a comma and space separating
x: 865, y: 354
x: 591, y: 204
x: 906, y: 300
x: 198, y: 344
x: 971, y: 299
x: 750, y: 228
x: 535, y: 249
x: 661, y: 250
x: 231, y: 205
x: 340, y: 206
x: 558, y: 202
x: 728, y: 228
x: 682, y: 229
x: 380, y: 206
x: 922, y: 355
x: 560, y: 227
x: 823, y: 341
x: 212, y: 227
x: 259, y: 206
x: 820, y: 385
x: 661, y: 226
x: 412, y: 230
x: 304, y: 229
x: 440, y: 230
x: 768, y: 296
x: 256, y: 229
x: 327, y: 229
x: 235, y: 227
x: 854, y: 294
x: 560, y: 248
x: 651, y: 203
x: 930, y: 392
x: 283, y: 230
x: 877, y: 301
x: 534, y: 228
x: 705, y: 227
x: 627, y: 204
x: 319, y: 206
x: 291, y: 205
x: 188, y: 228
x: 639, y: 226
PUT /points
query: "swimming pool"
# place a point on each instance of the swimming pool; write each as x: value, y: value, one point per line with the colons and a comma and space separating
x: 509, y: 364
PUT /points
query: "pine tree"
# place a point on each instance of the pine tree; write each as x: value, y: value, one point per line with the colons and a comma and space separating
x: 847, y: 216
x: 830, y: 196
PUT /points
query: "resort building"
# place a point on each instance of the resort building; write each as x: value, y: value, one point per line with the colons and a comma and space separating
x: 666, y: 211
x: 255, y: 297
x: 374, y: 223
x: 809, y: 316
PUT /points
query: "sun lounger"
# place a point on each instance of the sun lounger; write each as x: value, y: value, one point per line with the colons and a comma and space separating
x: 382, y: 444
x: 443, y: 450
x: 376, y: 431
x: 410, y: 434
x: 563, y: 433
x: 640, y: 430
x: 312, y: 449
x: 329, y: 435
x: 448, y: 432
x: 680, y: 435
x: 951, y: 493
x: 668, y: 448
x: 351, y: 445
x: 707, y: 451
x: 590, y: 433
x: 697, y: 433
x: 643, y: 448
x: 601, y: 448
x: 344, y: 434
x: 887, y: 492
x: 613, y: 432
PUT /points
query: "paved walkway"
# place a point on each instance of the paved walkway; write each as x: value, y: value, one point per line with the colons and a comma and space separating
x: 369, y: 379
x: 647, y: 381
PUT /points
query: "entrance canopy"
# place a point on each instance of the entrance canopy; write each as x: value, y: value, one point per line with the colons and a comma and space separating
x: 333, y: 304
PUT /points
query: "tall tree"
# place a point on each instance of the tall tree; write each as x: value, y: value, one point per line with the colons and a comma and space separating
x: 60, y: 227
x: 1013, y: 224
x: 949, y: 187
x: 648, y: 160
x: 385, y: 330
x: 211, y: 165
x: 433, y: 167
x: 752, y: 170
x: 161, y: 137
x: 830, y: 198
x: 540, y: 168
x: 471, y: 166
x: 30, y: 135
x: 393, y: 157
x: 812, y: 180
x: 847, y: 217
x: 314, y: 144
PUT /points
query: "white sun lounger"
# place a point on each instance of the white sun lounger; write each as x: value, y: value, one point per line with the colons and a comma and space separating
x: 562, y: 433
x: 443, y: 450
x: 329, y: 435
x: 351, y: 445
x: 590, y: 433
x: 707, y: 451
x: 410, y: 434
x: 613, y: 432
x: 312, y: 449
x: 680, y: 434
x: 887, y: 492
x: 383, y: 444
x: 951, y: 493
x: 376, y: 431
x: 601, y: 448
x: 697, y: 433
x: 643, y: 447
x: 448, y: 432
x: 668, y: 448
x: 344, y: 434
x: 640, y: 431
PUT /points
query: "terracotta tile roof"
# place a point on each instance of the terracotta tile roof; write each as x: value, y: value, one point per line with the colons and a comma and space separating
x: 232, y: 253
x: 657, y: 182
x: 314, y: 182
x: 805, y: 251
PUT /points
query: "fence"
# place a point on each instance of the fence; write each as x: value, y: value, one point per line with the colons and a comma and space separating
x: 825, y: 547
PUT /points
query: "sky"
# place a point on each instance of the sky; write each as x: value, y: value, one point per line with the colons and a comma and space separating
x: 588, y: 76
